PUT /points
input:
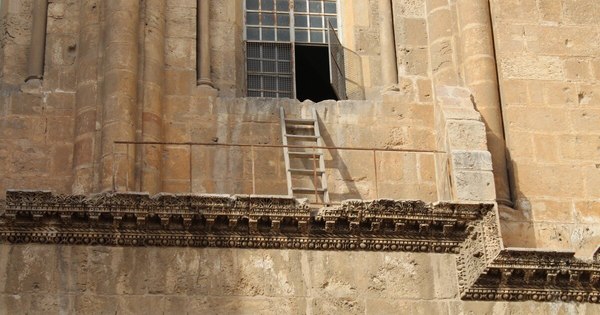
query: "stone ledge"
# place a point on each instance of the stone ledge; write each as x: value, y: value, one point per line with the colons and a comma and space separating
x: 137, y: 219
x: 489, y: 272
x: 526, y: 274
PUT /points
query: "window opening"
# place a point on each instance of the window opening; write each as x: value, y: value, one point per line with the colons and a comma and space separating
x: 312, y: 74
x: 286, y: 48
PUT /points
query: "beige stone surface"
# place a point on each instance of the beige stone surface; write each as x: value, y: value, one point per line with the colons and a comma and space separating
x: 39, y: 278
x: 57, y: 134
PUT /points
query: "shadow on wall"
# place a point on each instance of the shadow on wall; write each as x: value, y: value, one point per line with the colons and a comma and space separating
x: 516, y: 223
x: 337, y: 163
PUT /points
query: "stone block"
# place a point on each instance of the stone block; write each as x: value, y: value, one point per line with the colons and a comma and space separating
x: 466, y: 135
x: 61, y: 159
x: 552, y: 210
x: 554, y: 236
x: 585, y: 120
x: 557, y: 181
x: 180, y: 53
x: 532, y: 67
x: 24, y: 104
x: 176, y: 163
x: 474, y: 185
x: 579, y: 147
x: 60, y: 129
x: 179, y: 82
x: 415, y: 32
x: 551, y: 10
x: 516, y: 10
x: 472, y: 160
x: 413, y: 8
x: 546, y: 148
x: 426, y: 167
x: 587, y: 211
x: 591, y: 178
x: 518, y: 234
x: 537, y: 119
x: 425, y: 90
x: 578, y: 69
x: 581, y: 11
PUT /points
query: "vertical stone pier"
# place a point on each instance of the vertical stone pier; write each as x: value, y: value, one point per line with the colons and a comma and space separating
x: 439, y: 27
x: 480, y: 76
x: 152, y: 94
x: 120, y: 93
x: 86, y: 98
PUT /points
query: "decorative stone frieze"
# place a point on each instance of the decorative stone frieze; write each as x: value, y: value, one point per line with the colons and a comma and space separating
x: 486, y: 270
x: 137, y: 219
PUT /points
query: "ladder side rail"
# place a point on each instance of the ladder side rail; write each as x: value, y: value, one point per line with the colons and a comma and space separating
x: 286, y: 151
x: 321, y: 158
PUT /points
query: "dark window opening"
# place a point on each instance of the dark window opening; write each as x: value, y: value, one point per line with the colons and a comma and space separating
x: 312, y: 73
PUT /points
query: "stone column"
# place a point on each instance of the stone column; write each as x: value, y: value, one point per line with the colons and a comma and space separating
x: 203, y: 43
x: 480, y: 76
x: 35, y: 66
x: 153, y: 88
x: 119, y: 96
x: 389, y: 64
x: 86, y: 98
x: 441, y: 48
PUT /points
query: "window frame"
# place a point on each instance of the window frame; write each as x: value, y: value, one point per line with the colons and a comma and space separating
x: 291, y: 27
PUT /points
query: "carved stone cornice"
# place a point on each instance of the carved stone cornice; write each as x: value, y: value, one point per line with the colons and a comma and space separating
x: 137, y: 219
x: 486, y: 270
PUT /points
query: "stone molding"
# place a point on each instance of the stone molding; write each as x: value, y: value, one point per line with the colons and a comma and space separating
x: 243, y: 221
x: 489, y: 272
x: 486, y: 270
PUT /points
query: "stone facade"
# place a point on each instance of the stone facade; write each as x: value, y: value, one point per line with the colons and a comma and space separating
x: 136, y: 177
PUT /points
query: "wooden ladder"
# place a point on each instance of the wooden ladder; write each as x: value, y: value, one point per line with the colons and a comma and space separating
x: 312, y: 136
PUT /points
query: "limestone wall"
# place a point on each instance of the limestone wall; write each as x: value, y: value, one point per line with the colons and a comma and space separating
x: 364, y: 124
x: 549, y: 73
x: 101, y: 280
x: 36, y: 120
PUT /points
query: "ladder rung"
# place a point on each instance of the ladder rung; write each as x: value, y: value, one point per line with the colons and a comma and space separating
x: 310, y: 122
x: 307, y: 190
x: 306, y: 154
x: 302, y: 137
x: 305, y: 171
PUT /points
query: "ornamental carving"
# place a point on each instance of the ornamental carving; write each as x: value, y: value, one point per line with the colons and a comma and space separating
x: 486, y: 270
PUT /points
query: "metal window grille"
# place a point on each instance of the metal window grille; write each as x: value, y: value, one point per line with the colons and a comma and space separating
x: 337, y: 70
x: 311, y: 19
x: 271, y: 29
x: 269, y: 69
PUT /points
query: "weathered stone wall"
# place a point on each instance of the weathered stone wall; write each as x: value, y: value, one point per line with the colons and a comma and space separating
x: 373, y: 124
x: 36, y: 120
x: 549, y: 73
x: 106, y: 280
